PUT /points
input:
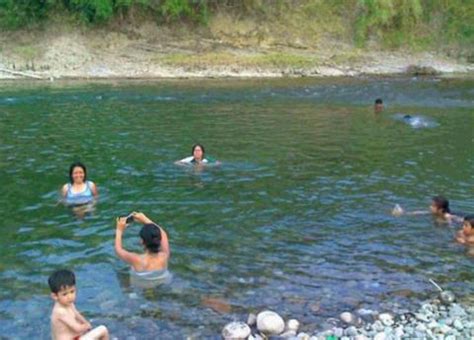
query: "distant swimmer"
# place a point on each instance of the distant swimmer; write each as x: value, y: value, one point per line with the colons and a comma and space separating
x: 378, y: 105
x: 439, y: 208
x: 197, y: 157
x: 79, y: 191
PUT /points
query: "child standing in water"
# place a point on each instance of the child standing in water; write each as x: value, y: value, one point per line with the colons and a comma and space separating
x: 66, y: 322
x: 466, y: 234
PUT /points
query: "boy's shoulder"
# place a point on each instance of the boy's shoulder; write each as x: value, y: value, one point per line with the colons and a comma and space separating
x: 61, y: 311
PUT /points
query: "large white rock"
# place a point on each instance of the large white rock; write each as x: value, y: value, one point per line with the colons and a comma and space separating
x: 270, y: 323
x: 236, y: 330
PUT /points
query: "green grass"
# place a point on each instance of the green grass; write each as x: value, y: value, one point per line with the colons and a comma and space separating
x: 26, y: 52
x: 270, y: 60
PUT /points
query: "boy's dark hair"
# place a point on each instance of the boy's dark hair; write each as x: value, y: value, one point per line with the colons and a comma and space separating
x: 151, y: 236
x: 441, y: 203
x: 61, y: 279
x: 71, y: 169
x: 378, y: 101
x: 469, y: 219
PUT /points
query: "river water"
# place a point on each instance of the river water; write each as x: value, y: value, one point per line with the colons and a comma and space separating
x: 296, y: 219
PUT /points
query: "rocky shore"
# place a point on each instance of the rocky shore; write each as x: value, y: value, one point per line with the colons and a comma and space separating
x: 150, y: 52
x: 438, y: 318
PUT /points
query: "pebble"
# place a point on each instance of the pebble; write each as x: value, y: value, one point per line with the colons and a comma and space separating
x: 338, y: 332
x: 350, y: 331
x: 292, y: 325
x: 270, y: 323
x: 288, y: 334
x: 303, y: 336
x: 347, y: 317
x: 255, y: 337
x: 251, y: 319
x: 447, y: 297
x: 422, y: 317
x: 458, y: 325
x: 360, y: 337
x: 380, y: 336
x: 377, y: 326
x: 386, y: 319
x: 236, y: 330
x: 421, y: 327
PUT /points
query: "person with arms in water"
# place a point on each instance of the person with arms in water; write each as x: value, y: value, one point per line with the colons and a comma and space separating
x: 439, y: 208
x: 378, y: 105
x: 79, y: 191
x: 66, y: 322
x: 153, y: 264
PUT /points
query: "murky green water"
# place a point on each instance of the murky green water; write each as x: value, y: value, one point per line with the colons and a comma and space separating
x: 297, y: 219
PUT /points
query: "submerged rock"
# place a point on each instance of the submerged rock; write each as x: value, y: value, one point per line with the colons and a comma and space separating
x: 447, y: 297
x: 270, y: 323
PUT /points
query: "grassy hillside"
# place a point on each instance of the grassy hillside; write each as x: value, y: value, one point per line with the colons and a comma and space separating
x: 444, y: 25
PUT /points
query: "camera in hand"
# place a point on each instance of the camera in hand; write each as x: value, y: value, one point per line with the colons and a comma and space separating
x: 129, y: 218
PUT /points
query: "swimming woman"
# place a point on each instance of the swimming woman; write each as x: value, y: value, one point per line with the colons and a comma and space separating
x: 79, y: 191
x: 197, y: 157
x: 153, y: 264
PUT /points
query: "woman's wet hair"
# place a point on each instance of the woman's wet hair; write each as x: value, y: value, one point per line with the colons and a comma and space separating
x: 469, y: 219
x: 441, y: 203
x: 61, y: 279
x: 195, y: 146
x: 71, y: 170
x: 378, y: 101
x: 151, y: 236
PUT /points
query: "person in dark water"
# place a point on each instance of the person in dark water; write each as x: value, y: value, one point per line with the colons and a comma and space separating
x: 378, y: 105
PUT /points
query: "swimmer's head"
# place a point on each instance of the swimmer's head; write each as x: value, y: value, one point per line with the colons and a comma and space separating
x: 77, y: 173
x: 439, y: 205
x: 406, y: 117
x: 151, y: 237
x: 468, y: 225
x: 198, y: 152
x: 378, y: 105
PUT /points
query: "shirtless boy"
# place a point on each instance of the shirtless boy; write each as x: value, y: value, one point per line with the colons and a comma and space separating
x: 66, y: 322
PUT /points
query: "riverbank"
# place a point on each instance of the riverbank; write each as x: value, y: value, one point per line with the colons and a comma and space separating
x: 149, y: 51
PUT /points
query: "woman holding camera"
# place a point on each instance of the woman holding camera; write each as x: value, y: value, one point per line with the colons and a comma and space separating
x: 154, y: 262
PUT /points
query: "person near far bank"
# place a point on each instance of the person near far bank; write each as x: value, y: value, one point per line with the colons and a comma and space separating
x: 378, y: 105
x: 153, y: 264
x: 79, y: 191
x: 197, y: 157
